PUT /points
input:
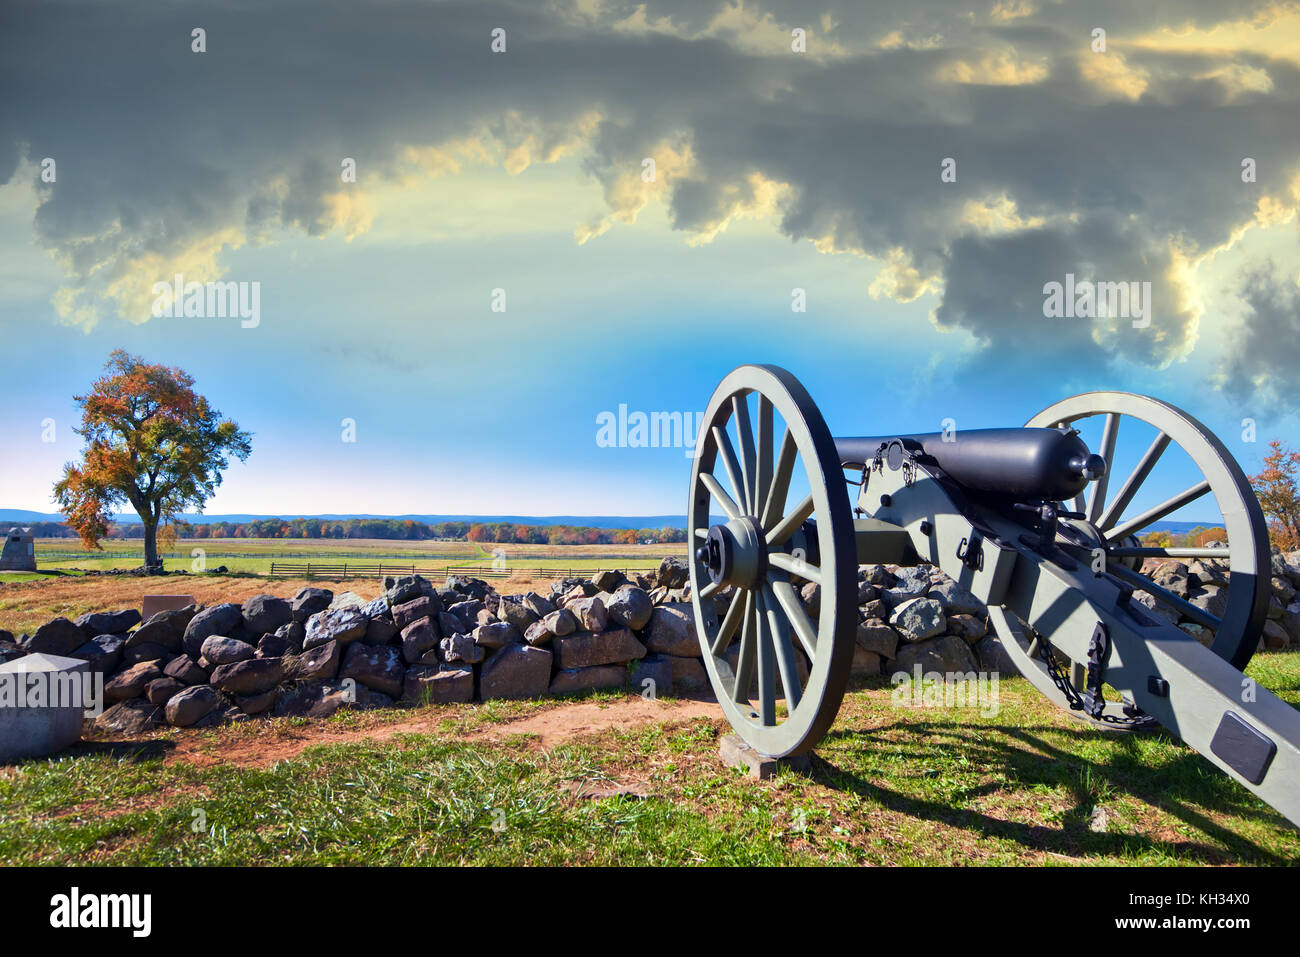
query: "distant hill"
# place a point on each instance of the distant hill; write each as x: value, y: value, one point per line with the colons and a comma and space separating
x: 18, y: 516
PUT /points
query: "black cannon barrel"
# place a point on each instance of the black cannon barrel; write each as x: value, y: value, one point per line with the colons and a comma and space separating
x: 1025, y: 463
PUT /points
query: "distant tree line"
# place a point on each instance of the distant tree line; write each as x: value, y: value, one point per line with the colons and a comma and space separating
x: 387, y: 528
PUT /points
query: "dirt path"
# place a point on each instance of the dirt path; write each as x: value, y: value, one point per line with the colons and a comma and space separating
x: 550, y: 727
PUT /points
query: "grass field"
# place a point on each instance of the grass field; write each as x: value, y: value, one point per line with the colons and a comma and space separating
x: 254, y: 555
x: 480, y: 784
x: 28, y: 600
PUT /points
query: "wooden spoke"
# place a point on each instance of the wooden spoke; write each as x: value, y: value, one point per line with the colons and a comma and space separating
x: 745, y: 432
x: 795, y: 566
x: 786, y: 659
x: 1160, y: 511
x: 792, y: 605
x: 766, y: 664
x: 720, y: 495
x: 709, y: 590
x: 728, y: 456
x: 1134, y: 482
x: 748, y: 651
x: 730, y: 622
x: 774, y: 503
x: 763, y: 460
x: 702, y: 533
x: 790, y: 524
x: 1097, y: 494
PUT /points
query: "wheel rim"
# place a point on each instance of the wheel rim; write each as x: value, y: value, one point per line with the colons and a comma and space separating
x: 753, y: 553
x: 1237, y: 631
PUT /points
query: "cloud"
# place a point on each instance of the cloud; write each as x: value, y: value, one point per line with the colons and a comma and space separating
x: 1119, y: 165
x: 1261, y: 359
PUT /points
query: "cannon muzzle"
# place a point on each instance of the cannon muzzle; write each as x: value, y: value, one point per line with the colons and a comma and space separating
x: 1020, y: 463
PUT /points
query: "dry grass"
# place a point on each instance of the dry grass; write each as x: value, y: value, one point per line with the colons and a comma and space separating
x: 26, y: 605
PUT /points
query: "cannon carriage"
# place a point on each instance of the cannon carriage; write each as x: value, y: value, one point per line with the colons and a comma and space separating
x: 1029, y: 520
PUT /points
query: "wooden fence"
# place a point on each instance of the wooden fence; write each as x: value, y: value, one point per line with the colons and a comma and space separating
x: 340, y: 570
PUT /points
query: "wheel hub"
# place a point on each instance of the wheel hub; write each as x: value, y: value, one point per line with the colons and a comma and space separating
x: 734, y: 553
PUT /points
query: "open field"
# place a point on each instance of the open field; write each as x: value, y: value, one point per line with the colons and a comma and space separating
x: 28, y: 600
x: 254, y: 555
x: 614, y: 779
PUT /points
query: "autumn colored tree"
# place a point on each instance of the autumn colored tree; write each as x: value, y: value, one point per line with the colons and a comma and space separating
x: 152, y: 441
x: 1278, y: 496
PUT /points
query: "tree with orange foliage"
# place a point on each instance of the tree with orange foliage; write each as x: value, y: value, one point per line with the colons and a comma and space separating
x: 152, y: 441
x: 1278, y: 496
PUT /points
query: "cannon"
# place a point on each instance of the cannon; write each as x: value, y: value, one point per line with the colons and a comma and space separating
x: 1029, y: 520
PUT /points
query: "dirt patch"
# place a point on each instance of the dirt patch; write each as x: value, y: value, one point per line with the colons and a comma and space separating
x: 545, y: 729
x: 579, y: 719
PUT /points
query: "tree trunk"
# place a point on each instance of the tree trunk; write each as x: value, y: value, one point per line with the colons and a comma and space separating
x: 150, y: 543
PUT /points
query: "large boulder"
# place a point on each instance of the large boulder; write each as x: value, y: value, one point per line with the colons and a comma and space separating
x: 405, y: 588
x: 671, y: 631
x: 133, y: 716
x: 956, y: 600
x: 315, y: 664
x: 444, y: 684
x: 516, y: 671
x: 217, y: 620
x: 498, y: 634
x: 538, y: 604
x: 186, y: 670
x: 57, y: 637
x: 166, y: 628
x: 146, y: 651
x: 422, y: 606
x: 263, y: 614
x: 459, y: 648
x: 161, y: 690
x: 192, y: 705
x: 108, y: 622
x: 673, y: 573
x: 630, y: 607
x: 418, y: 637
x: 571, y: 680
x: 993, y: 658
x: 309, y: 601
x: 248, y: 677
x: 515, y: 613
x: 918, y: 619
x: 589, y: 612
x: 102, y: 653
x: 877, y: 637
x: 344, y: 625
x: 131, y: 682
x: 585, y: 650
x: 226, y: 651
x: 378, y: 667
x: 943, y: 655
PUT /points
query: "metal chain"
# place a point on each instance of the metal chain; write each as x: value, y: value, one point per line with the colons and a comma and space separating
x: 1134, y: 719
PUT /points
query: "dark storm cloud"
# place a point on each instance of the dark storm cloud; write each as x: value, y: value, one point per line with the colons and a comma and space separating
x: 1263, y: 356
x: 160, y: 149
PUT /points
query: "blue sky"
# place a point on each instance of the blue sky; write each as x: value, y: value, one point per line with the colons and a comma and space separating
x: 522, y: 172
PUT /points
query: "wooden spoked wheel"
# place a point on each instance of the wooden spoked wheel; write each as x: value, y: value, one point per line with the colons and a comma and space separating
x: 779, y: 673
x: 1238, y: 626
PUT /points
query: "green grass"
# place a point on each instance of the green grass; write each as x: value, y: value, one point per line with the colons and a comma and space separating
x: 889, y: 785
x: 254, y: 556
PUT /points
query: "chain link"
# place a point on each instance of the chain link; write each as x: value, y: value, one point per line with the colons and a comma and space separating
x: 1134, y: 718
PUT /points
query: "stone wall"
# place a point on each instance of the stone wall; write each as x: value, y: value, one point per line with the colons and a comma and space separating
x: 463, y: 641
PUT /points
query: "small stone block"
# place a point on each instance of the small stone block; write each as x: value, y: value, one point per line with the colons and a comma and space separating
x: 760, y: 767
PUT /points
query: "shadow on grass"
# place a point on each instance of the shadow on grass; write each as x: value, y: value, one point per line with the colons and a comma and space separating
x: 152, y: 750
x: 1172, y: 787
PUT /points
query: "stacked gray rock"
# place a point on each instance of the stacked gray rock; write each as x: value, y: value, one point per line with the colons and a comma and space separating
x: 416, y: 642
x: 1204, y: 582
